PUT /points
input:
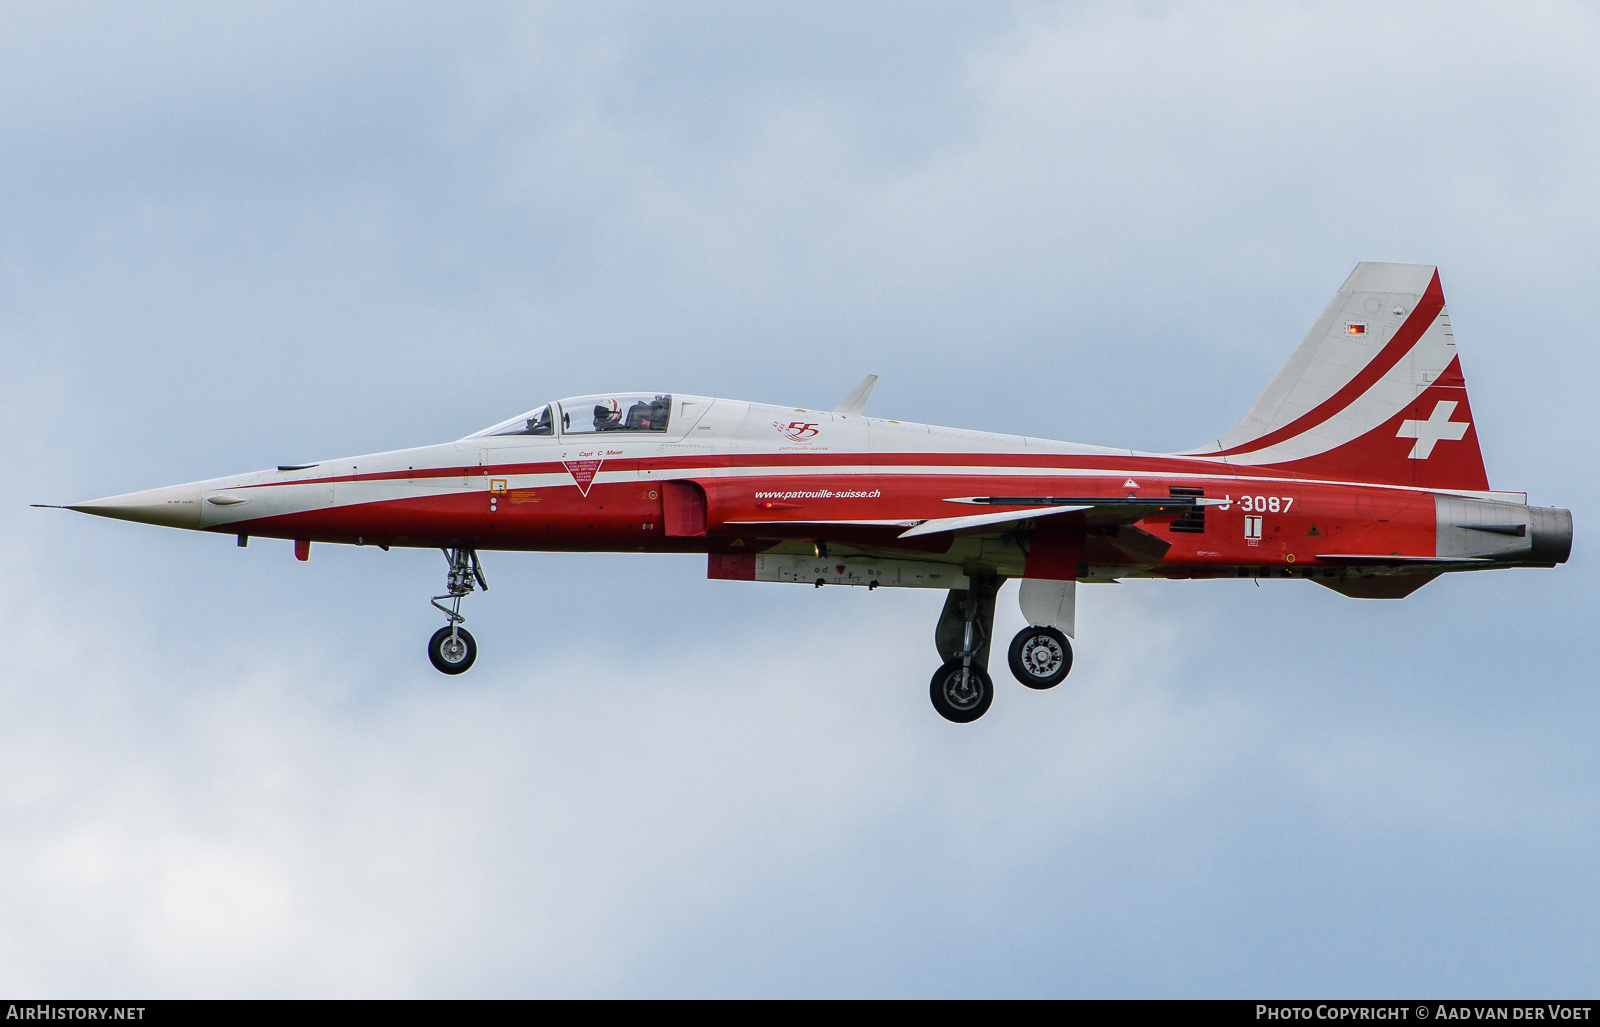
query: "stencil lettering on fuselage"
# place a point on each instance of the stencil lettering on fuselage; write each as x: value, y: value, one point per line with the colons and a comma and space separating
x: 583, y: 472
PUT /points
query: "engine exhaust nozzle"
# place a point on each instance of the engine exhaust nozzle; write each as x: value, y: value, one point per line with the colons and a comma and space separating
x: 1551, y: 528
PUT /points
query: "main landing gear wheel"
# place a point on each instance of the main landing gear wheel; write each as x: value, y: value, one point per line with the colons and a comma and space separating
x: 1040, y: 657
x: 961, y: 694
x: 452, y: 649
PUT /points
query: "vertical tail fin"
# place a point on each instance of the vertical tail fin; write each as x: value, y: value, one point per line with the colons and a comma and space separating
x: 1374, y: 392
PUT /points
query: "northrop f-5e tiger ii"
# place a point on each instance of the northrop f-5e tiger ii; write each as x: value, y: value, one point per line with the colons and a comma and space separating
x: 1358, y: 468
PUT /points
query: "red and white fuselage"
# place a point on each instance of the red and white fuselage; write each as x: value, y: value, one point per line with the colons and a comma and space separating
x: 773, y: 474
x: 1365, y: 449
x: 1358, y: 467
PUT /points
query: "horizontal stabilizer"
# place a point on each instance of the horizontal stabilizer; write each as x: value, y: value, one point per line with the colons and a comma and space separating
x: 1379, y: 586
x: 1396, y: 559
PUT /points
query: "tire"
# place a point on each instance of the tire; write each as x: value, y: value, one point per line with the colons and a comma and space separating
x: 1040, y: 657
x: 946, y: 693
x: 452, y: 660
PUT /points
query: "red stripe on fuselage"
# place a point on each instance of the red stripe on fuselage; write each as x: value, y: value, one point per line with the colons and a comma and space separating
x: 867, y: 462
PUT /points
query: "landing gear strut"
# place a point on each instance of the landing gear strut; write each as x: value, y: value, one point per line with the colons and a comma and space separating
x: 452, y: 648
x: 961, y: 689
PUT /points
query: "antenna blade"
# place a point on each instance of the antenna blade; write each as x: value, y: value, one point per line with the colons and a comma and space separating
x: 857, y: 400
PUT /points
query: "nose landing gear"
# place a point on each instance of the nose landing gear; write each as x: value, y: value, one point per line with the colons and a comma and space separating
x: 452, y: 649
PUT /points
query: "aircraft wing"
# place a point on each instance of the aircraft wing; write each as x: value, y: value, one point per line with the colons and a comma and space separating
x: 1098, y: 511
x: 1101, y: 513
x: 938, y: 524
x: 901, y: 523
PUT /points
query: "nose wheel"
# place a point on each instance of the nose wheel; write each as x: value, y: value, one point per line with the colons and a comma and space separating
x: 452, y: 649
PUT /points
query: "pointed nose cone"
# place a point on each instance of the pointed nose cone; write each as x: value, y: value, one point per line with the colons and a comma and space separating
x: 177, y: 506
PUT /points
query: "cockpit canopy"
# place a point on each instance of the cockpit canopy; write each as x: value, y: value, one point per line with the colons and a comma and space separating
x: 534, y: 422
x: 588, y: 415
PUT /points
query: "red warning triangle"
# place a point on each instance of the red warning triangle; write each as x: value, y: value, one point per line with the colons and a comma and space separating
x: 583, y: 472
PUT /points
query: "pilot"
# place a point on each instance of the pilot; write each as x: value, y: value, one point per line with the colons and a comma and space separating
x: 607, y: 416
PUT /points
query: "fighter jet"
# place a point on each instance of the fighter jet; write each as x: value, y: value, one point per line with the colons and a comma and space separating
x: 1358, y: 468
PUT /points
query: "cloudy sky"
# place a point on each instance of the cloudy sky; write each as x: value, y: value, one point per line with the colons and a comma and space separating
x: 238, y: 235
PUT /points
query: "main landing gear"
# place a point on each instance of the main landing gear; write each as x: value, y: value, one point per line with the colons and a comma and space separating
x: 1040, y: 657
x: 452, y: 648
x: 961, y: 690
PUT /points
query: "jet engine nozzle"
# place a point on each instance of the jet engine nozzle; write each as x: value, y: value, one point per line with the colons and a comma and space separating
x: 1505, y: 533
x: 1552, y: 534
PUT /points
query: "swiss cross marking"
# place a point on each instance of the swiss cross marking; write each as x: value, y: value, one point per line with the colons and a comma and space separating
x: 1435, y: 429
